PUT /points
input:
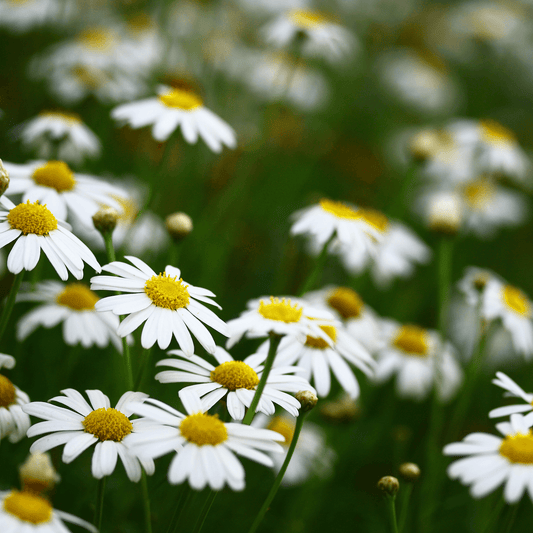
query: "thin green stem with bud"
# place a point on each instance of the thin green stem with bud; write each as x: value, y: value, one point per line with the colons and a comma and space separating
x: 10, y: 302
x: 391, y: 500
x: 99, y: 510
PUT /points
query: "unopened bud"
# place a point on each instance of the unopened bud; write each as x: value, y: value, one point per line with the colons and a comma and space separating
x: 307, y: 399
x: 424, y: 144
x: 344, y: 409
x: 410, y: 472
x: 105, y: 219
x: 178, y: 225
x: 445, y: 213
x: 389, y: 485
x: 4, y: 178
x: 37, y: 473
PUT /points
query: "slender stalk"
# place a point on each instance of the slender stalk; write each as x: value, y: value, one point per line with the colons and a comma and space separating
x: 98, y: 513
x: 10, y: 302
x: 145, y: 363
x: 275, y: 339
x: 109, y: 248
x: 146, y: 504
x: 315, y: 273
x: 392, y: 513
x: 279, y: 477
x: 183, y: 500
x: 205, y: 511
x: 405, y: 506
x: 444, y: 280
x: 512, y: 517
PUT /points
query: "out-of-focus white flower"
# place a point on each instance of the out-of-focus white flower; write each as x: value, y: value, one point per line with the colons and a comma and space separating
x: 19, y: 17
x: 442, y: 210
x: 513, y: 390
x: 272, y: 6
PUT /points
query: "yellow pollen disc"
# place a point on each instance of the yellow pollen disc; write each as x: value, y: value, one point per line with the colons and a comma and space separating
x: 317, y: 342
x: 235, y: 375
x: 494, y: 133
x: 32, y: 218
x: 281, y: 311
x: 100, y: 39
x: 181, y: 99
x: 518, y: 448
x: 77, y: 296
x: 7, y: 392
x: 479, y: 193
x: 107, y: 424
x: 375, y: 219
x: 71, y: 118
x: 167, y: 292
x: 306, y: 19
x: 516, y: 300
x: 340, y: 209
x: 56, y: 175
x: 412, y: 340
x: 284, y: 427
x: 28, y: 507
x: 202, y: 429
x: 346, y: 302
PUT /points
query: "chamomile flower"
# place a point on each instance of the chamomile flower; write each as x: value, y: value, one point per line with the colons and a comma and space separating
x: 492, y: 461
x: 27, y: 512
x: 63, y: 131
x: 505, y: 382
x: 322, y: 37
x: 72, y: 305
x: 166, y: 304
x: 33, y: 227
x: 175, y: 107
x: 235, y: 380
x: 205, y: 446
x: 14, y: 422
x: 84, y: 424
x: 20, y: 17
x: 420, y: 360
x: 65, y: 193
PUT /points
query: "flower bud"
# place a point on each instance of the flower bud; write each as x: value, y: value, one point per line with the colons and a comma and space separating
x: 37, y: 473
x: 4, y: 178
x: 178, y: 225
x: 105, y: 219
x: 389, y: 485
x: 410, y: 472
x: 307, y: 400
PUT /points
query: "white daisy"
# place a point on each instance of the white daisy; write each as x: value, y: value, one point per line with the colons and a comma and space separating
x: 73, y: 305
x: 505, y: 382
x: 63, y: 131
x: 168, y: 305
x: 492, y: 461
x: 83, y: 425
x: 205, y: 445
x: 322, y: 36
x: 442, y: 210
x: 27, y: 512
x: 420, y: 360
x: 14, y: 422
x: 64, y: 192
x: 319, y: 357
x: 175, y: 107
x: 33, y: 227
x: 235, y: 380
x: 20, y: 17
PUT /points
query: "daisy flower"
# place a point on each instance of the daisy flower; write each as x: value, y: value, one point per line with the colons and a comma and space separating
x: 72, y: 305
x: 175, y: 107
x: 20, y: 17
x: 27, y: 512
x: 492, y: 461
x: 168, y: 305
x: 282, y: 317
x: 442, y: 211
x: 33, y: 227
x: 64, y: 192
x: 205, y: 445
x: 84, y: 424
x: 237, y: 381
x: 513, y: 390
x: 322, y: 37
x: 318, y: 357
x: 420, y: 360
x: 63, y: 131
x: 14, y: 422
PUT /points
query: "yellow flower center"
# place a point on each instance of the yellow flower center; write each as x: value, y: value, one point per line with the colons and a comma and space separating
x: 77, y: 296
x: 480, y: 281
x: 28, y: 507
x: 284, y: 427
x: 479, y: 193
x: 202, y: 429
x: 346, y: 302
x: 235, y: 375
x: 97, y: 39
x: 518, y: 448
x: 317, y: 342
x: 516, y: 300
x: 167, y: 292
x: 496, y: 134
x: 340, y: 209
x: 32, y: 218
x: 306, y: 19
x: 180, y: 99
x: 412, y: 340
x: 56, y: 175
x: 71, y: 118
x: 376, y: 219
x: 108, y: 424
x: 91, y: 77
x: 281, y: 311
x: 7, y: 392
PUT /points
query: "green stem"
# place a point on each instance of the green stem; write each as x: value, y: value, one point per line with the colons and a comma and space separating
x: 205, y: 511
x: 405, y: 506
x: 445, y: 278
x: 392, y: 513
x: 174, y: 252
x: 145, y: 363
x: 10, y: 302
x: 512, y: 517
x: 183, y: 500
x: 279, y: 477
x: 314, y: 275
x: 98, y: 513
x: 146, y: 504
x: 109, y: 248
x: 275, y: 339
